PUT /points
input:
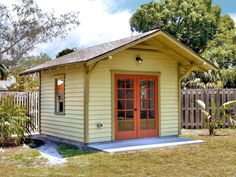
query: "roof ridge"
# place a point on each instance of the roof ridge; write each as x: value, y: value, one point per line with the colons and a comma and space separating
x: 89, y: 53
x: 125, y: 38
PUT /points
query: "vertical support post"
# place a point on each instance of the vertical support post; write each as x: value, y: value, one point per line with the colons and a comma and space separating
x: 86, y: 102
x: 39, y: 106
x: 88, y: 72
x: 179, y: 102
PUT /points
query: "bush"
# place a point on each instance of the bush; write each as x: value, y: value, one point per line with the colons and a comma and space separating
x: 13, y: 122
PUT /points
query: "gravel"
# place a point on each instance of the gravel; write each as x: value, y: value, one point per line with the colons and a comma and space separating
x: 49, y: 151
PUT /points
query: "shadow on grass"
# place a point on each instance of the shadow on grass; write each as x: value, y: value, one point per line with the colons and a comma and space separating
x: 34, y: 143
x: 66, y: 150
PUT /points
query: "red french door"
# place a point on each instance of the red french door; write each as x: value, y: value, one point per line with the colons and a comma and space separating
x: 136, y: 105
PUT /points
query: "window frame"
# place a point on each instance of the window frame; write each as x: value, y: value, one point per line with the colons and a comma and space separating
x: 56, y: 92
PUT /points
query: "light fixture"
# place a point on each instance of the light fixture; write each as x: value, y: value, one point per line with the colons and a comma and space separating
x: 139, y: 59
x: 110, y: 57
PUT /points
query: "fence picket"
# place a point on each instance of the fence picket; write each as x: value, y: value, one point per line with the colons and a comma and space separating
x: 191, y: 114
x: 29, y: 101
x: 191, y: 111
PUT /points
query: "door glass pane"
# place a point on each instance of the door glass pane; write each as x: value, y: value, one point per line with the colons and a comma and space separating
x: 143, y: 104
x: 121, y: 83
x: 143, y: 94
x: 144, y: 124
x: 129, y: 125
x: 129, y: 114
x: 151, y: 84
x: 121, y: 125
x: 151, y: 124
x: 121, y: 93
x: 125, y: 105
x: 143, y: 114
x: 151, y: 114
x: 151, y: 93
x: 147, y: 104
x: 129, y: 104
x: 129, y: 83
x: 129, y: 93
x: 120, y: 104
x: 151, y: 104
x: 121, y: 115
x: 126, y: 123
x: 143, y: 84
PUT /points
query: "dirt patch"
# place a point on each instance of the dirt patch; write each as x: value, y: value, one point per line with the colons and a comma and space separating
x: 9, y: 150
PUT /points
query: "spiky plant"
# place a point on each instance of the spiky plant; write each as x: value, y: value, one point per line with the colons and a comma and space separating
x: 212, y: 119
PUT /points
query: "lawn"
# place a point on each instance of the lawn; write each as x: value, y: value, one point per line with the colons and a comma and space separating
x: 216, y: 157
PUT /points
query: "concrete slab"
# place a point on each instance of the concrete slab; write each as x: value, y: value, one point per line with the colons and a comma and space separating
x: 141, y: 144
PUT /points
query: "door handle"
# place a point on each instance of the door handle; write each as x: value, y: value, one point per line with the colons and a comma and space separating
x: 135, y: 109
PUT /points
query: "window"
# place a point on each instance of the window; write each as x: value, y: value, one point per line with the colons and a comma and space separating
x: 60, y: 94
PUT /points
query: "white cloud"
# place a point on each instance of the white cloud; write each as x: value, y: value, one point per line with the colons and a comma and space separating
x: 233, y: 16
x: 97, y: 24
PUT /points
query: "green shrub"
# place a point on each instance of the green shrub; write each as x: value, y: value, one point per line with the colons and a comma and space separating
x: 212, y: 120
x: 13, y: 121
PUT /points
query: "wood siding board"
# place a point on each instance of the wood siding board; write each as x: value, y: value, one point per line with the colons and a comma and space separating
x: 100, y: 91
x: 70, y: 125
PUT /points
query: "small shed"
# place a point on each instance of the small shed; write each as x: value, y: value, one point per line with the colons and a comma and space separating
x: 125, y: 89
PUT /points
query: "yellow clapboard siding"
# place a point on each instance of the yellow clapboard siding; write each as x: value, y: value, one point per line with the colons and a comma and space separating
x: 71, y: 117
x: 70, y: 125
x: 73, y: 121
x: 105, y: 125
x: 102, y: 134
x: 100, y: 139
x: 58, y: 123
x: 93, y: 123
x: 67, y: 130
x: 169, y: 133
x: 77, y: 94
x: 100, y: 96
x: 100, y: 130
x: 100, y: 91
x: 60, y: 135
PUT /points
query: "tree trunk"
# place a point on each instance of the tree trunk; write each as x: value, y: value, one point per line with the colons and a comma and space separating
x: 211, y: 130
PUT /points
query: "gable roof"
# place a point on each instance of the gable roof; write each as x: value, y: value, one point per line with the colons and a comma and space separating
x: 104, y: 50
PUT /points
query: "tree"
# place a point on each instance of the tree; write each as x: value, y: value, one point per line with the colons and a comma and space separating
x: 199, y: 25
x: 191, y: 22
x: 25, y: 25
x: 222, y: 48
x: 27, y: 83
x: 65, y: 52
x: 228, y: 77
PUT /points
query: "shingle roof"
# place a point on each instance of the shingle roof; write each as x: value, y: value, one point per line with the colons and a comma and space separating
x: 84, y: 55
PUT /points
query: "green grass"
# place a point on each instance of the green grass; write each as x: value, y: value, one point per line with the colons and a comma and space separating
x: 216, y: 157
x: 70, y: 150
x: 22, y: 156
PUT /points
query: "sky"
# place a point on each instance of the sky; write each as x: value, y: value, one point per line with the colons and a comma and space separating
x: 100, y: 21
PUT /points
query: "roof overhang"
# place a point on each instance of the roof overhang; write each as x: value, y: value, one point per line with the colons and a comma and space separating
x: 196, y: 62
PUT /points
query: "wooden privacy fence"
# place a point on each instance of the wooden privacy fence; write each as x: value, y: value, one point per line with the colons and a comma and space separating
x: 30, y: 100
x: 191, y: 114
